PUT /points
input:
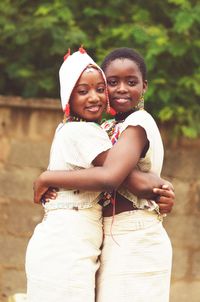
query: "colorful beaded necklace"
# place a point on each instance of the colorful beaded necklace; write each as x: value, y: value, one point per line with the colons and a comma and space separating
x: 73, y: 118
x: 112, y: 128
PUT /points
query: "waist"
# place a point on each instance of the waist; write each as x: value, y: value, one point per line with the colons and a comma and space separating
x: 70, y: 200
x: 72, y: 215
x: 129, y: 221
x: 122, y: 204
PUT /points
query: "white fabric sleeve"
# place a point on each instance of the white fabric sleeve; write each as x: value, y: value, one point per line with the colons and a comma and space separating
x: 83, y: 142
x: 145, y: 120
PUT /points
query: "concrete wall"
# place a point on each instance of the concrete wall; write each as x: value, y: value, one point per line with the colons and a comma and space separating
x: 26, y: 131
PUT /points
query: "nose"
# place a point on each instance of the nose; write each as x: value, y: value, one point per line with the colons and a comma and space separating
x: 93, y: 96
x: 121, y: 87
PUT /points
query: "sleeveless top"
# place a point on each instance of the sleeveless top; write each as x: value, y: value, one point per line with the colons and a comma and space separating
x: 153, y: 159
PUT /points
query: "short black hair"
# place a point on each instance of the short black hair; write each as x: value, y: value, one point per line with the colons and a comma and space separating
x: 126, y: 53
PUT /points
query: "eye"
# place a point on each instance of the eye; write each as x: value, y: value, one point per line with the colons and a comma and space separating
x: 82, y: 91
x: 112, y: 82
x: 132, y: 82
x: 101, y: 89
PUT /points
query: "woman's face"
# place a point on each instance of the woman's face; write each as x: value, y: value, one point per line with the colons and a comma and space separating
x: 125, y: 84
x: 88, y: 99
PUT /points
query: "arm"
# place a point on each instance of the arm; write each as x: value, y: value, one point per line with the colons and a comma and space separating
x: 118, y: 163
x: 165, y: 196
x: 142, y: 184
x: 139, y: 183
x: 151, y: 186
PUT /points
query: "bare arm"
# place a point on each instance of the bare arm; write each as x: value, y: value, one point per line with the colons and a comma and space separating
x: 142, y: 184
x: 165, y: 196
x: 150, y: 186
x: 119, y: 162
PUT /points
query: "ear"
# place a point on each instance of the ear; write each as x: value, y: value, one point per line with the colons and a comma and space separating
x: 145, y: 86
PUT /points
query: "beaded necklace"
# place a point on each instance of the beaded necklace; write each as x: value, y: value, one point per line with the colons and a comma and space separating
x: 73, y: 118
x: 112, y: 128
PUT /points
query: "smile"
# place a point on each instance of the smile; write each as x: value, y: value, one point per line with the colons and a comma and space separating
x: 121, y: 100
x: 94, y: 109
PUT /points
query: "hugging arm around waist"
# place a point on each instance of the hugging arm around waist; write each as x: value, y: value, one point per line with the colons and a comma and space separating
x: 117, y: 165
x: 142, y: 184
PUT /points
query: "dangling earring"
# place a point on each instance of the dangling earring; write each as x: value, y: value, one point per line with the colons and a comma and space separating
x: 67, y: 110
x: 109, y: 110
x: 112, y: 111
x: 66, y: 113
x: 140, y: 104
x: 108, y: 106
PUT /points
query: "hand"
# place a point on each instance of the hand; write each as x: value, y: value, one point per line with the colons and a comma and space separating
x: 39, y: 189
x: 166, y: 198
x: 51, y: 193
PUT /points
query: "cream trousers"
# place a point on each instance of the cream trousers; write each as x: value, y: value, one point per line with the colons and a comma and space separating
x: 62, y: 256
x: 135, y: 260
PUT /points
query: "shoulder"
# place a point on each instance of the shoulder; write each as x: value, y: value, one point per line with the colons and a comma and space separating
x: 140, y: 115
x: 143, y: 119
x: 81, y: 128
x: 140, y: 118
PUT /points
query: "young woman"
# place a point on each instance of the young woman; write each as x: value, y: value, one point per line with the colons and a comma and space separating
x: 62, y: 255
x: 136, y: 264
x: 143, y: 253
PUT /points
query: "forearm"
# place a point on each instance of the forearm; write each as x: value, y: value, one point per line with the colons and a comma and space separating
x: 142, y: 184
x: 93, y: 179
x: 119, y: 162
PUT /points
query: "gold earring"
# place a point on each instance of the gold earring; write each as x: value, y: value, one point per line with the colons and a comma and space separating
x: 140, y: 104
x: 142, y: 97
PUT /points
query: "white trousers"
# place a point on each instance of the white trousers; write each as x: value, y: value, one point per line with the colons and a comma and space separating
x: 135, y: 260
x: 62, y: 256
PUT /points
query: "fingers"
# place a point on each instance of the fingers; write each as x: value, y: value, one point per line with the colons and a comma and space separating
x: 164, y: 192
x: 168, y: 186
x: 38, y: 194
x: 54, y: 189
x: 43, y: 194
x: 165, y: 199
x: 165, y: 208
x: 165, y: 204
x: 165, y: 187
x: 51, y: 193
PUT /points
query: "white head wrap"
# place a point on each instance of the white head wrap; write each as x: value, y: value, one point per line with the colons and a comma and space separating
x: 70, y: 71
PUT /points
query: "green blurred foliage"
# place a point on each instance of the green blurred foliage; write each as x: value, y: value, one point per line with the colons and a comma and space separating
x: 36, y: 34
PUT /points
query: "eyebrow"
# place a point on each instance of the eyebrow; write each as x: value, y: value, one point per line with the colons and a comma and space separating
x: 118, y: 76
x: 88, y: 84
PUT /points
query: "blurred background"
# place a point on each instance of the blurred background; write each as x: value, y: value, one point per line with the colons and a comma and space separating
x: 34, y: 36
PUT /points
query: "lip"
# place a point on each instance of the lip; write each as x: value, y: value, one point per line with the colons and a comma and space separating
x: 94, y: 108
x: 121, y: 100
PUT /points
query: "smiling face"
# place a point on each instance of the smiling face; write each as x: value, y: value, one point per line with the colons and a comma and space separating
x: 88, y: 99
x: 125, y: 84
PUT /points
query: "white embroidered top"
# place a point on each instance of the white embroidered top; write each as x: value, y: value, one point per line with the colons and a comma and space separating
x: 75, y: 146
x: 153, y: 159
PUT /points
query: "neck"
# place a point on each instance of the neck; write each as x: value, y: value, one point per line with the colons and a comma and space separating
x: 74, y: 118
x: 120, y: 116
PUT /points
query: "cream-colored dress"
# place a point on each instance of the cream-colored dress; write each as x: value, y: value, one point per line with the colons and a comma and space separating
x: 62, y: 255
x: 136, y: 254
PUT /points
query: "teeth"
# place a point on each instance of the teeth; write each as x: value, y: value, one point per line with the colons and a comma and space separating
x: 121, y: 101
x: 93, y: 109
